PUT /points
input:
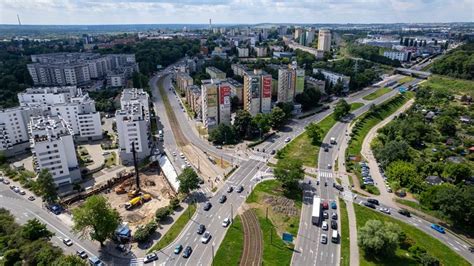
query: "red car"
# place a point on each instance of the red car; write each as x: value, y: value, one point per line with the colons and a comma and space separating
x: 325, y: 205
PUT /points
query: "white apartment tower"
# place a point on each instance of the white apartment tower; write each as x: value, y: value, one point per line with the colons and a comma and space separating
x: 324, y: 40
x: 133, y: 125
x: 53, y: 148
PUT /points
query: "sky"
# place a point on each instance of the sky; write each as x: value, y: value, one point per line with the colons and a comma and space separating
x: 76, y: 12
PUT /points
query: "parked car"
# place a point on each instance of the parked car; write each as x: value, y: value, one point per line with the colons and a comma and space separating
x: 368, y: 204
x: 226, y: 222
x: 333, y: 205
x: 272, y: 152
x: 404, y: 212
x: 1, y: 179
x: 324, y: 226
x: 201, y: 229
x: 385, y: 210
x: 373, y: 201
x: 438, y: 228
x: 206, y: 237
x: 222, y: 199
x: 325, y: 205
x: 207, y: 206
x: 178, y: 249
x: 334, y: 216
x: 6, y: 182
x: 67, y: 242
x: 150, y: 257
x: 324, y: 239
x: 187, y: 252
x: 82, y: 254
x: 31, y: 198
x: 22, y: 192
x: 325, y: 215
x: 287, y: 139
x: 230, y: 189
x: 16, y: 189
x: 240, y: 189
x: 333, y: 224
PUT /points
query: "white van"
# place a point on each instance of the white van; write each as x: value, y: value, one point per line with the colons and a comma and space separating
x: 335, y: 236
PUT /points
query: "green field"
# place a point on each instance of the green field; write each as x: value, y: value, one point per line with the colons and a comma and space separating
x: 374, y: 95
x: 175, y: 229
x: 231, y: 248
x: 345, y: 242
x: 406, y: 80
x: 275, y: 251
x: 444, y: 254
x: 355, y: 106
x: 457, y: 86
x: 301, y: 147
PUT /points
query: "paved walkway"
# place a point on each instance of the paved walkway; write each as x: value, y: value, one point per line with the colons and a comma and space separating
x: 366, y: 151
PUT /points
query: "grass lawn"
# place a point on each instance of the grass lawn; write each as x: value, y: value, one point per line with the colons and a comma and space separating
x: 355, y: 106
x: 406, y: 80
x: 175, y: 229
x: 444, y: 254
x: 457, y: 86
x: 374, y: 95
x: 301, y: 147
x: 345, y: 242
x: 232, y: 246
x: 275, y: 251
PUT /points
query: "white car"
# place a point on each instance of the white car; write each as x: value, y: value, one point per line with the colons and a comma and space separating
x: 329, y: 166
x: 324, y: 238
x: 325, y: 226
x: 181, y: 155
x: 67, y: 242
x: 206, y: 237
x: 226, y: 222
x: 385, y: 210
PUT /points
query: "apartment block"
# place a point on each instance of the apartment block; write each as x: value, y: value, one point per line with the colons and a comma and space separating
x: 243, y: 51
x: 257, y: 94
x: 51, y: 139
x: 333, y: 77
x: 215, y: 73
x: 261, y: 51
x: 183, y: 80
x: 316, y: 83
x: 236, y: 89
x: 133, y: 125
x: 215, y: 97
x: 238, y: 69
x: 401, y: 56
x: 290, y: 82
x: 324, y: 40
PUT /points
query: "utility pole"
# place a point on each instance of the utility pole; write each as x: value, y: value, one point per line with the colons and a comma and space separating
x: 135, y: 164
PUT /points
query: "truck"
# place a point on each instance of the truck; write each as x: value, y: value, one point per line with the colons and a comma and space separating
x: 332, y: 140
x: 133, y: 202
x: 316, y: 216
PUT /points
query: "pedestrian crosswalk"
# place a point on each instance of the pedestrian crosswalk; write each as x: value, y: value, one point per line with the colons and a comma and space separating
x: 326, y: 174
x: 257, y: 158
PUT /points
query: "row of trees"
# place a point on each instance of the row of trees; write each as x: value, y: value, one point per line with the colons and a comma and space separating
x: 29, y: 244
x: 458, y: 63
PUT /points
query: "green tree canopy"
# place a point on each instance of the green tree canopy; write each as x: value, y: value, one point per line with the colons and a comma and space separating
x: 188, y: 180
x: 457, y: 172
x: 406, y: 174
x: 341, y: 109
x: 289, y: 172
x: 277, y: 117
x: 47, y: 188
x: 315, y: 132
x: 97, y: 218
x: 223, y: 134
x: 34, y: 229
x: 379, y: 239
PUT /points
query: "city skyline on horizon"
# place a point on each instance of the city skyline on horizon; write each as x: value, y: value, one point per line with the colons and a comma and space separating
x: 120, y: 12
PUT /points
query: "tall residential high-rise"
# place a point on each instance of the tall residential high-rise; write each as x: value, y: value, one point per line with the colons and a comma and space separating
x: 133, y: 125
x: 53, y: 148
x: 310, y: 34
x: 215, y: 107
x: 298, y: 33
x: 290, y: 82
x: 257, y: 92
x: 324, y: 40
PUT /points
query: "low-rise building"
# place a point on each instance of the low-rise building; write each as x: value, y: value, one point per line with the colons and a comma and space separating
x: 333, y: 78
x: 261, y: 51
x: 243, y: 51
x: 316, y: 83
x: 215, y: 73
x: 52, y: 144
x: 397, y: 55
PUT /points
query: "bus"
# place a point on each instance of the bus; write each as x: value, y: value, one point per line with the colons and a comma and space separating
x: 316, y: 210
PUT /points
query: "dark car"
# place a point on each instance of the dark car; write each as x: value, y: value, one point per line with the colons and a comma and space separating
x: 222, y: 199
x: 333, y: 224
x: 272, y: 152
x: 368, y: 204
x: 207, y: 206
x: 82, y: 254
x: 178, y: 249
x: 404, y: 212
x: 187, y: 252
x: 373, y: 201
x: 240, y: 189
x: 230, y: 189
x: 201, y: 229
x: 326, y: 148
x: 150, y: 257
x: 334, y: 216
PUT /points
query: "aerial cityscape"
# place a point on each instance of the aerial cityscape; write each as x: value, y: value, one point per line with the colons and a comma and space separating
x: 227, y: 132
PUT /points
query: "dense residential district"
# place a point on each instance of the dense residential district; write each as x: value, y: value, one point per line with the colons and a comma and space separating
x: 268, y: 144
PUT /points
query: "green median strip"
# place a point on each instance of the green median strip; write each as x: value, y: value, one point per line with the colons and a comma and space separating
x: 232, y: 246
x: 355, y: 106
x: 175, y: 229
x: 416, y: 237
x: 345, y: 242
x: 374, y: 95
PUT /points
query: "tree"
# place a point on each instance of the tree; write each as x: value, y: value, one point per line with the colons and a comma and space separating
x: 289, y: 172
x: 223, y: 134
x: 34, y: 229
x: 457, y: 172
x: 162, y: 213
x: 341, y: 109
x: 277, y: 117
x: 262, y: 122
x: 46, y: 186
x: 188, y: 180
x: 393, y: 151
x: 234, y: 103
x: 338, y: 87
x: 69, y: 260
x: 407, y: 174
x: 97, y: 218
x: 446, y: 125
x: 315, y: 132
x: 242, y: 122
x: 143, y: 233
x: 378, y: 238
x: 11, y: 257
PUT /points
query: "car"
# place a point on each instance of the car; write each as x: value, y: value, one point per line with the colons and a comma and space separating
x: 325, y: 205
x: 226, y: 222
x: 22, y: 192
x: 31, y: 198
x: 240, y: 189
x: 206, y: 237
x: 82, y: 254
x: 333, y: 205
x: 181, y: 155
x: 324, y: 226
x: 150, y: 257
x: 326, y: 148
x: 288, y: 139
x: 438, y: 228
x: 95, y: 261
x: 1, y: 178
x: 329, y: 166
x: 471, y: 249
x: 333, y: 224
x: 385, y: 210
x: 339, y: 187
x: 324, y: 239
x: 389, y: 190
x: 174, y: 153
x: 187, y: 252
x: 222, y: 199
x: 201, y: 229
x: 230, y: 189
x: 272, y: 152
x: 368, y: 204
x: 178, y: 249
x: 373, y: 201
x: 404, y: 212
x: 325, y: 215
x: 334, y: 216
x: 219, y: 147
x: 325, y: 183
x: 67, y: 242
x: 12, y: 187
x: 201, y: 181
x: 207, y: 206
x: 6, y: 182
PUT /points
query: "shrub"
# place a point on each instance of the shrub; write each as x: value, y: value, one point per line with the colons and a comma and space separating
x: 143, y: 233
x: 174, y: 203
x: 162, y: 213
